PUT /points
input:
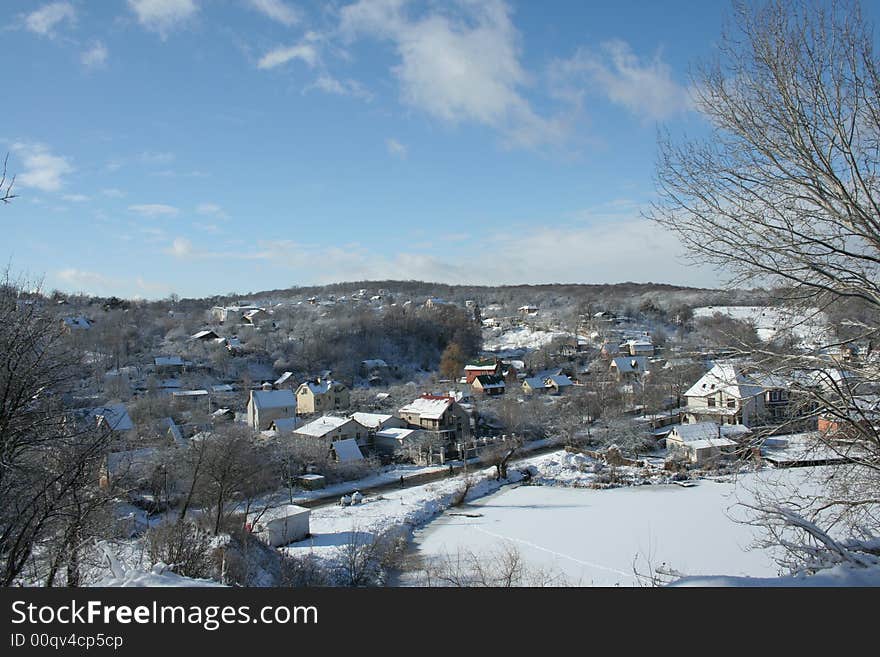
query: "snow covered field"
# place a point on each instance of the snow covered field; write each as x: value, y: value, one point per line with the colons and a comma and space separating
x: 810, y: 327
x: 593, y: 537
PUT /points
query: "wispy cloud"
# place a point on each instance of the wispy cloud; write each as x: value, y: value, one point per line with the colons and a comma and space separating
x: 95, y: 57
x: 645, y: 88
x: 87, y: 281
x: 305, y: 52
x: 154, y: 210
x: 112, y: 192
x: 44, y: 20
x: 42, y: 169
x: 395, y: 148
x: 348, y: 87
x: 180, y: 247
x: 277, y: 10
x: 156, y: 157
x: 163, y: 16
x: 76, y: 198
x: 210, y: 209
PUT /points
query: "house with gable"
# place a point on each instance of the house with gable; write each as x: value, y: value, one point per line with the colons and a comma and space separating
x: 267, y: 405
x: 439, y: 414
x: 485, y: 366
x: 320, y: 396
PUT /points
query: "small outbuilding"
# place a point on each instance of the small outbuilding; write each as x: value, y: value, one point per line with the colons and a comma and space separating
x: 282, y: 525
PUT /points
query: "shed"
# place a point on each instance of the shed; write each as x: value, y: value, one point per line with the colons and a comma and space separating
x: 282, y: 525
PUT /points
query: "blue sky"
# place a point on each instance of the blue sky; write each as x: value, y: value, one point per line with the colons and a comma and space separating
x: 212, y: 146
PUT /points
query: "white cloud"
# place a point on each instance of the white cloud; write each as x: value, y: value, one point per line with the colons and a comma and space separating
x: 180, y: 247
x: 277, y: 11
x: 76, y: 198
x: 112, y: 192
x: 162, y: 16
x: 395, y: 148
x: 645, y: 88
x: 154, y: 157
x: 95, y: 57
x: 329, y: 84
x: 461, y: 65
x: 211, y: 210
x: 154, y: 210
x: 303, y: 51
x: 42, y: 169
x: 86, y: 281
x: 44, y: 20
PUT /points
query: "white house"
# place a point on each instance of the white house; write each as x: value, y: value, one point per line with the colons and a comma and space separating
x: 724, y: 395
x: 705, y: 441
x: 331, y: 428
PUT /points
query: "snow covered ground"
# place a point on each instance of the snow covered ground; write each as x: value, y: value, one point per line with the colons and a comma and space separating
x: 522, y: 338
x: 810, y: 327
x: 596, y: 537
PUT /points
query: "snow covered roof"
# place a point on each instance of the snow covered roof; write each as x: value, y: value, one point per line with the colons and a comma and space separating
x: 116, y: 416
x: 222, y: 387
x: 174, y: 430
x: 727, y: 378
x: 130, y: 460
x: 207, y: 333
x: 397, y: 434
x: 371, y: 420
x: 189, y: 393
x: 490, y: 381
x: 321, y: 387
x: 284, y: 378
x: 166, y: 361
x: 278, y: 513
x: 347, y: 450
x: 273, y: 398
x: 429, y: 407
x: 322, y: 426
x: 560, y: 380
x: 371, y: 363
x: 285, y: 424
x: 711, y: 442
x: 630, y: 363
x: 689, y: 433
x: 535, y: 382
x: 77, y: 322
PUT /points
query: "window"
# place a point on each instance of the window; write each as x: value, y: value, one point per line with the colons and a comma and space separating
x: 710, y: 401
x: 731, y: 404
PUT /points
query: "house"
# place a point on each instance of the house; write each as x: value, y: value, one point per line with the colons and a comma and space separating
x: 321, y: 395
x: 440, y: 414
x: 638, y: 347
x: 373, y: 422
x: 491, y: 366
x: 284, y: 425
x: 222, y: 314
x: 254, y: 316
x: 435, y: 302
x: 113, y: 418
x: 861, y: 415
x: 558, y: 383
x: 489, y: 385
x: 528, y: 310
x: 207, y: 334
x: 77, y: 323
x: 128, y: 467
x: 533, y: 384
x: 728, y: 394
x: 169, y: 365
x: 331, y: 428
x: 703, y: 442
x: 609, y: 349
x: 279, y: 526
x: 285, y: 379
x: 629, y: 368
x: 397, y: 440
x: 264, y: 406
x: 346, y: 450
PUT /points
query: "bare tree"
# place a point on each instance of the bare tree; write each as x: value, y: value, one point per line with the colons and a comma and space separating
x: 784, y: 193
x: 6, y: 194
x: 50, y: 456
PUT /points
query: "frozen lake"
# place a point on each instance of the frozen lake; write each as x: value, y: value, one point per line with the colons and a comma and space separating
x: 592, y: 537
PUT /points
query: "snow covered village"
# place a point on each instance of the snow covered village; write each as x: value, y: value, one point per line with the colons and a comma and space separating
x: 419, y: 295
